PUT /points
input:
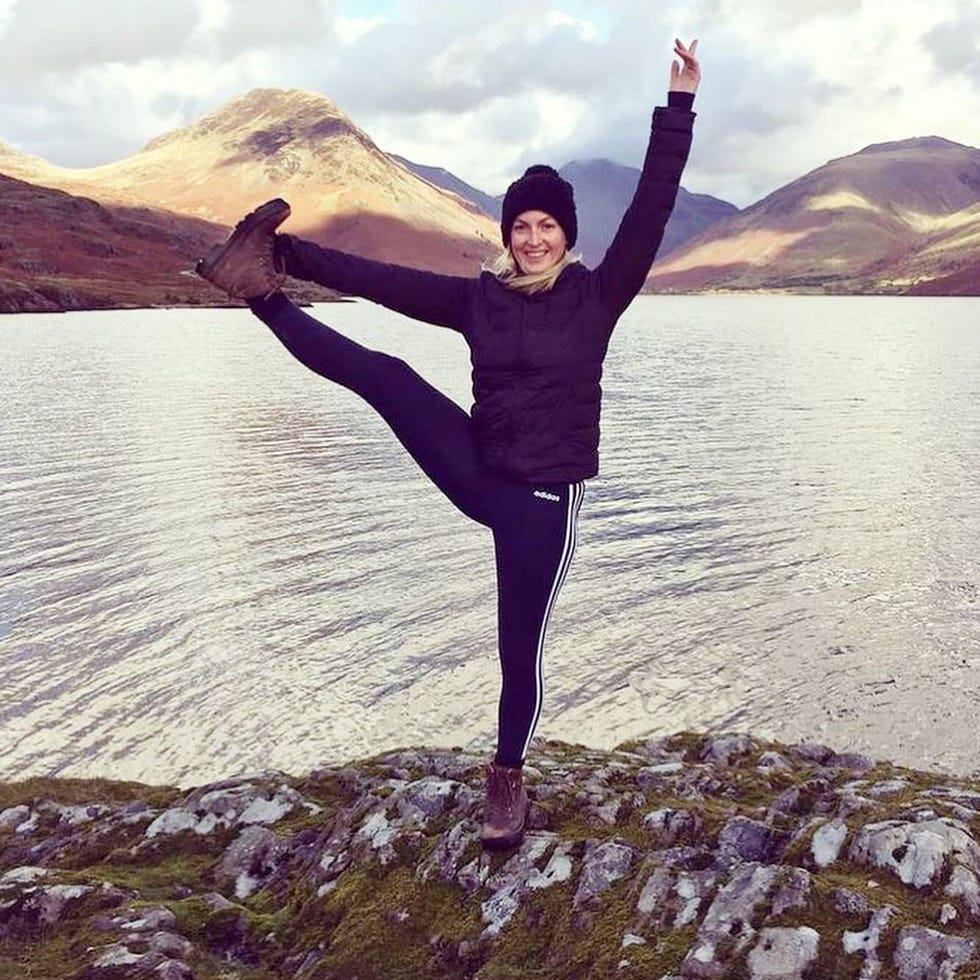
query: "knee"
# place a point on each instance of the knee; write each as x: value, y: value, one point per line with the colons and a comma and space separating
x: 387, y: 379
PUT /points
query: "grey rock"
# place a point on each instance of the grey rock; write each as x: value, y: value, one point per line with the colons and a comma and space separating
x: 850, y: 760
x: 925, y: 954
x: 811, y: 752
x: 963, y: 884
x: 146, y: 919
x: 173, y: 970
x: 217, y: 902
x: 655, y: 777
x: 379, y: 834
x: 602, y: 865
x: 673, y: 898
x: 510, y: 884
x: 24, y: 875
x: 916, y: 852
x: 608, y: 812
x: 250, y: 860
x: 117, y: 955
x: 473, y: 875
x: 726, y: 748
x: 170, y: 944
x: 654, y: 893
x: 11, y: 816
x: 174, y: 821
x: 867, y: 942
x: 963, y: 813
x: 947, y: 914
x: 29, y: 909
x: 55, y: 899
x: 445, y: 856
x: 427, y: 799
x: 557, y: 870
x: 793, y: 892
x: 227, y: 804
x: 783, y: 953
x: 888, y: 787
x: 14, y: 817
x: 72, y: 816
x: 774, y: 761
x: 827, y: 843
x: 658, y: 749
x: 849, y: 902
x: 670, y: 825
x: 728, y: 920
x: 742, y: 839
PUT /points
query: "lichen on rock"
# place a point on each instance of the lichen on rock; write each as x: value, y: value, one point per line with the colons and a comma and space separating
x: 683, y: 857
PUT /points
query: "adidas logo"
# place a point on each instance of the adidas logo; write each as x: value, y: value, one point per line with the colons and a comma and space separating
x: 544, y: 495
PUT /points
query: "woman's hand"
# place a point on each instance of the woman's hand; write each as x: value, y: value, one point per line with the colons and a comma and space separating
x: 686, y: 78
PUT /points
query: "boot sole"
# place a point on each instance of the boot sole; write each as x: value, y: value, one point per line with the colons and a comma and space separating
x: 276, y: 208
x: 501, y: 843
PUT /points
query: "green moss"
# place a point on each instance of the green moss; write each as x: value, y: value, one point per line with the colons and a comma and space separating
x: 546, y: 939
x: 154, y: 882
x: 78, y: 792
x: 365, y: 935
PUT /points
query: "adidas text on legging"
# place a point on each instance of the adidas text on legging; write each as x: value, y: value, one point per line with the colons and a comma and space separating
x: 533, y: 525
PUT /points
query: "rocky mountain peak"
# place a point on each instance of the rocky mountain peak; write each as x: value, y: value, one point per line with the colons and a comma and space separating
x: 926, y: 143
x: 265, y: 120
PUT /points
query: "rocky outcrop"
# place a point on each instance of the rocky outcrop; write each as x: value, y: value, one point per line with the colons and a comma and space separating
x: 681, y: 857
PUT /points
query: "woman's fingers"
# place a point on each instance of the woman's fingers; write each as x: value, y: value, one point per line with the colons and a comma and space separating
x: 683, y: 51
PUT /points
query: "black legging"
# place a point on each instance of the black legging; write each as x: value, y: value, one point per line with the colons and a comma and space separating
x: 533, y: 525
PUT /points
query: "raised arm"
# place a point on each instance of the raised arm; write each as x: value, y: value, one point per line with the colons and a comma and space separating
x: 627, y: 261
x: 426, y: 296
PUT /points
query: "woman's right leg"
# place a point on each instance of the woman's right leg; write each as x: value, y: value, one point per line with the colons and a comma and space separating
x: 434, y: 429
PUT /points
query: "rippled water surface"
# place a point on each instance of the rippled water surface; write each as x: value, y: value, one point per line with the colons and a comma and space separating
x: 213, y: 560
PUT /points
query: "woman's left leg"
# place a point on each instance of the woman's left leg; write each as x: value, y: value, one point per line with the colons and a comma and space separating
x: 534, y: 546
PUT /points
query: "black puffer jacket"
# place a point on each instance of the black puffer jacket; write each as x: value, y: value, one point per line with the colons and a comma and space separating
x: 537, y: 359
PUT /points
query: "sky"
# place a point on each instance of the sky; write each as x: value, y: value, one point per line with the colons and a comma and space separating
x: 485, y: 89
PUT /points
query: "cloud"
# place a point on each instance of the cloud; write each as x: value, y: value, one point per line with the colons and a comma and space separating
x: 955, y: 44
x: 62, y: 35
x: 786, y: 87
x: 264, y: 24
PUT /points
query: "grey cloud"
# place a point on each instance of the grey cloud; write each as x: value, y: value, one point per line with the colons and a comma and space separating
x: 954, y: 44
x: 411, y: 69
x: 275, y: 24
x: 63, y: 35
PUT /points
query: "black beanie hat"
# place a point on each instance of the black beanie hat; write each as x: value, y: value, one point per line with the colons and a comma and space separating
x: 541, y: 188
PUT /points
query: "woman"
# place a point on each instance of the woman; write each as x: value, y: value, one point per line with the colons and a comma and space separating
x: 537, y: 323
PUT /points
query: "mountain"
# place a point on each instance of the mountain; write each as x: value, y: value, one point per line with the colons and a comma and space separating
x: 59, y: 251
x: 890, y: 218
x: 450, y: 182
x: 295, y: 144
x: 603, y: 191
x: 894, y: 217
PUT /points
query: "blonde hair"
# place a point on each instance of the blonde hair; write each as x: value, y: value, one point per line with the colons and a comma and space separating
x: 505, y: 268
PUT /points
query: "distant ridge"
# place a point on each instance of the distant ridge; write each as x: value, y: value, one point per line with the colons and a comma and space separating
x: 895, y: 217
x: 891, y: 218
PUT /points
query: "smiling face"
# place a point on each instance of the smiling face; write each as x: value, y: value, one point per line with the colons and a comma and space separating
x: 537, y: 242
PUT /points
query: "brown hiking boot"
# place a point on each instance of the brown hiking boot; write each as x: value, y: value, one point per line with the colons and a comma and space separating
x: 245, y: 265
x: 505, y: 812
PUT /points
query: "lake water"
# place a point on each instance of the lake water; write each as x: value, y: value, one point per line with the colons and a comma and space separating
x: 214, y: 561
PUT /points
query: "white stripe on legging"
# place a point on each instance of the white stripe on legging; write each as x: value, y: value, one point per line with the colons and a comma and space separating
x: 576, y: 491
